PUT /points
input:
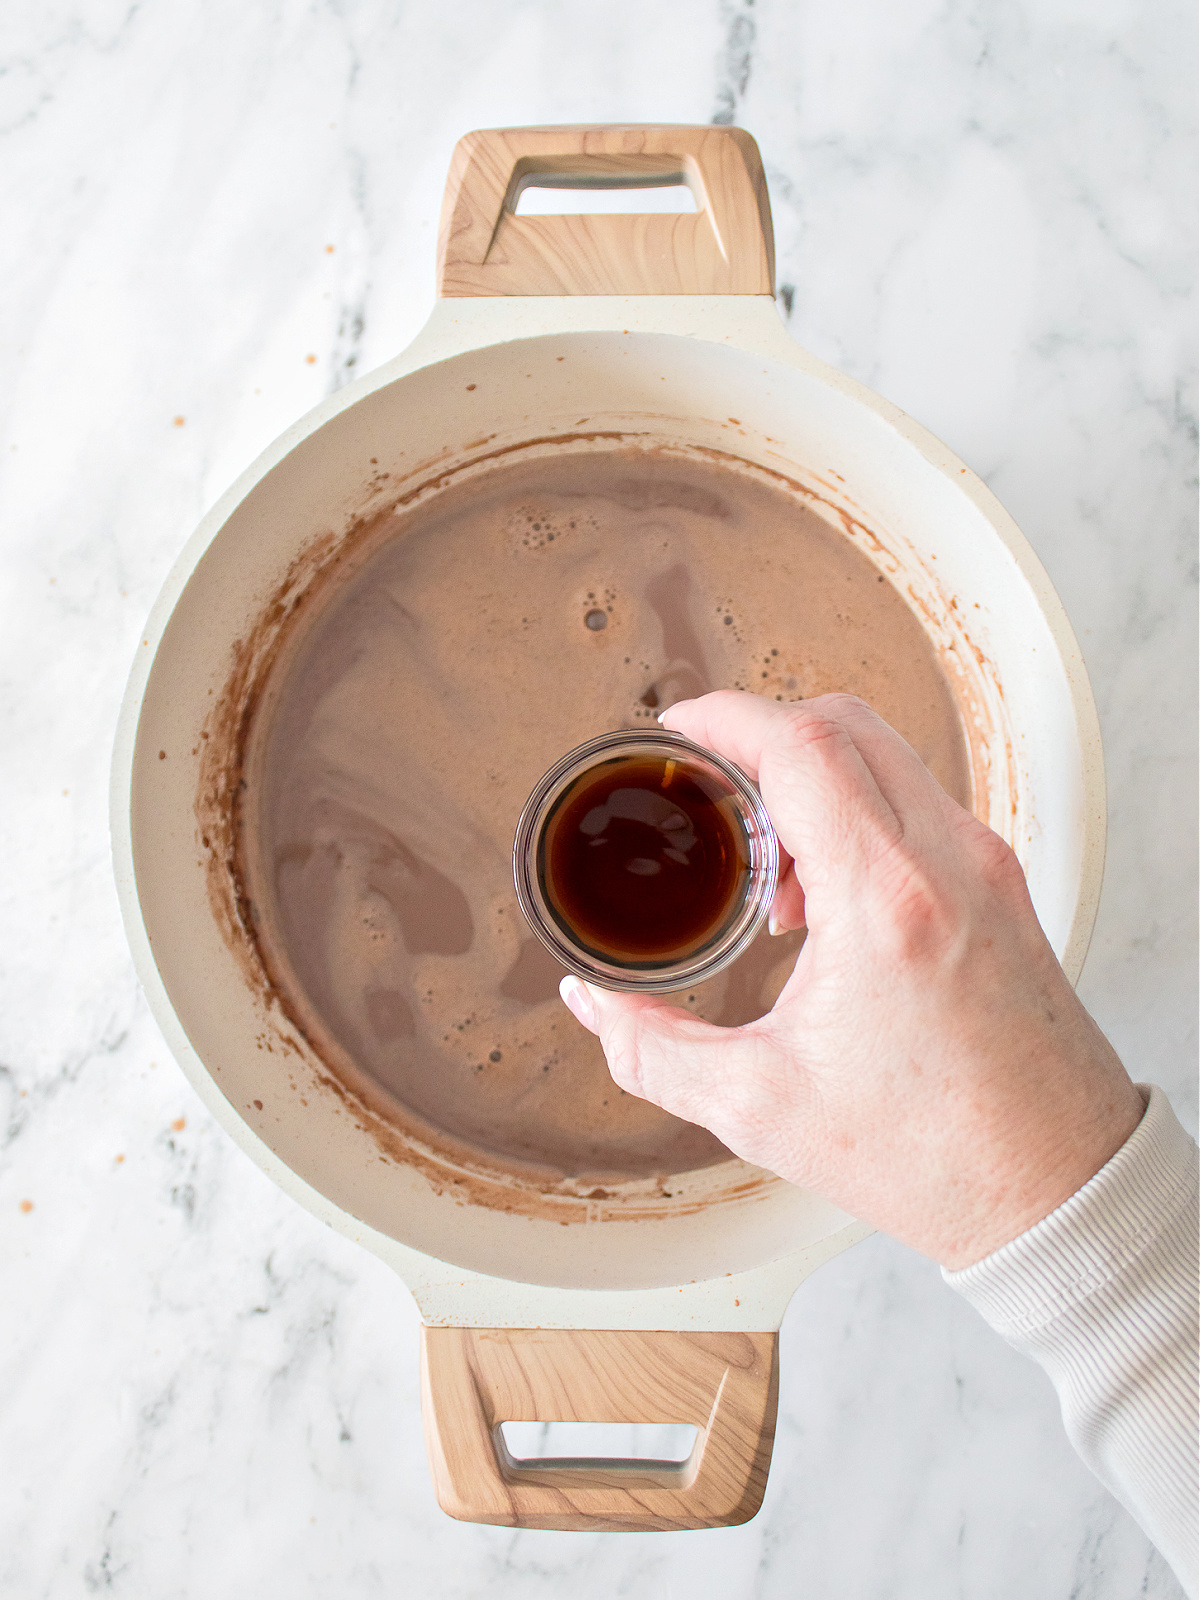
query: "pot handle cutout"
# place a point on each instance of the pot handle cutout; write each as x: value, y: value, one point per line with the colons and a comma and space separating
x: 726, y: 247
x: 474, y: 1379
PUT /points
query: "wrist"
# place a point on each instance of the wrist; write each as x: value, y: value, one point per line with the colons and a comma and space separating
x: 1022, y: 1180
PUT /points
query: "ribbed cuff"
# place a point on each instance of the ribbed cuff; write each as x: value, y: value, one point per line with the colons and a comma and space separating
x: 1094, y: 1236
x: 1103, y: 1294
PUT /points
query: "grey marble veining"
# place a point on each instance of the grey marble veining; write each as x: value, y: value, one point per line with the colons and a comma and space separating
x: 985, y: 212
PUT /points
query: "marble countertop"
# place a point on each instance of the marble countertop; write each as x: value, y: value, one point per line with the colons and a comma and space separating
x: 215, y: 214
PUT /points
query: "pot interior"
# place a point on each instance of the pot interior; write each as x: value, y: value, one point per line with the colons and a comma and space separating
x: 413, y: 531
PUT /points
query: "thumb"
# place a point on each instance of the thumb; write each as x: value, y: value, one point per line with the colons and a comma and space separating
x: 663, y: 1054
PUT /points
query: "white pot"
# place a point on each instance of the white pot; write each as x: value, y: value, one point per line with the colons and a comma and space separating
x: 725, y: 1252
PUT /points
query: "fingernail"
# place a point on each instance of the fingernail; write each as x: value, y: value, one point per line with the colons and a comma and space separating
x: 773, y: 927
x: 578, y: 1000
x: 674, y: 706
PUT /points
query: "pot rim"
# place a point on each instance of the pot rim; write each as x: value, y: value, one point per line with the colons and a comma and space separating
x: 751, y: 324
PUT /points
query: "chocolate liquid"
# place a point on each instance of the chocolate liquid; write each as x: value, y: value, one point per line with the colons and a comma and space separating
x: 453, y: 660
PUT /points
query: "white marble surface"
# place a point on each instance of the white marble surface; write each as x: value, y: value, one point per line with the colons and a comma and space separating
x: 984, y: 211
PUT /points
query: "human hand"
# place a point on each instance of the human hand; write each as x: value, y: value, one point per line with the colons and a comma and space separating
x: 927, y: 1067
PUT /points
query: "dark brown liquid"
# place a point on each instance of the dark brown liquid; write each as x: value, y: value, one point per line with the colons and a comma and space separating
x: 644, y: 860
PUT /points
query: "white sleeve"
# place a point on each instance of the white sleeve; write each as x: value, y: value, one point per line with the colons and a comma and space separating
x: 1103, y: 1294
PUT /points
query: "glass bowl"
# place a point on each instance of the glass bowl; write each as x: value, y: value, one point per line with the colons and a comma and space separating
x: 726, y: 817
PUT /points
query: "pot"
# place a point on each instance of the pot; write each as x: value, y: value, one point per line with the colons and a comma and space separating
x: 646, y: 1303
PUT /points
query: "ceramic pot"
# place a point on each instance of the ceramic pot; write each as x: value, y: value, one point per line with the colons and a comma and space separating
x: 559, y: 334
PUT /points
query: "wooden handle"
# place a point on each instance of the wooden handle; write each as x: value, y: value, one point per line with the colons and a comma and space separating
x: 727, y: 247
x: 725, y: 1384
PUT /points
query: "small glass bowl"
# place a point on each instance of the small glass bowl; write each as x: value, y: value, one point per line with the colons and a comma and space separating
x: 747, y: 913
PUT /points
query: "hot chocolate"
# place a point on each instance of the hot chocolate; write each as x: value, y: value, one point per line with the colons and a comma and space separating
x: 464, y: 646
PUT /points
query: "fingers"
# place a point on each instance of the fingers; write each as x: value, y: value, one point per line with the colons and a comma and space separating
x: 735, y: 725
x: 904, y: 780
x: 827, y: 809
x: 662, y: 1053
x: 787, y: 906
x: 836, y: 779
